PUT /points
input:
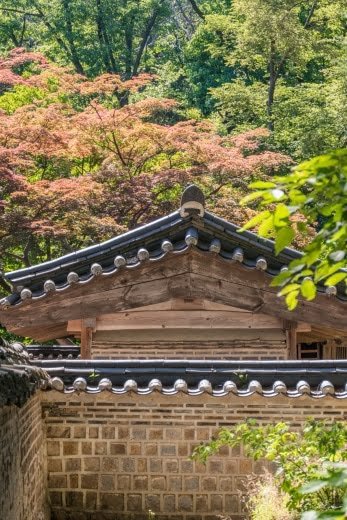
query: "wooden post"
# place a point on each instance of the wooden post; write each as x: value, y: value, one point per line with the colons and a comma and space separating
x: 87, y: 328
x: 291, y: 338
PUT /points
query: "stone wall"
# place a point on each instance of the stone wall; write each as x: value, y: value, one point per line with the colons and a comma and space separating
x: 115, y: 457
x: 23, y: 474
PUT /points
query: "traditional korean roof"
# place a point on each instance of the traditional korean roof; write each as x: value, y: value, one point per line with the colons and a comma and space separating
x: 53, y: 352
x: 18, y: 378
x: 316, y: 379
x: 190, y: 226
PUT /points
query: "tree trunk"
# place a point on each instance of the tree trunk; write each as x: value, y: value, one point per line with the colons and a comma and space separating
x: 104, y: 40
x: 271, y: 87
x: 60, y: 41
x: 144, y: 40
x: 70, y: 37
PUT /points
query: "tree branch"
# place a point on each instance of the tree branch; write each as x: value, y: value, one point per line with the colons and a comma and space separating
x: 145, y: 37
x: 19, y: 11
x: 197, y: 9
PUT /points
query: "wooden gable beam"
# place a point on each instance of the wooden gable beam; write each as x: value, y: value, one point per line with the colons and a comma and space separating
x: 192, y: 275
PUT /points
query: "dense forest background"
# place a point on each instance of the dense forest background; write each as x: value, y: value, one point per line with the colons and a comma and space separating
x: 109, y: 107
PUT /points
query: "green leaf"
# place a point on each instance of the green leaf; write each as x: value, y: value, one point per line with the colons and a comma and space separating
x: 262, y: 185
x: 284, y: 237
x: 292, y: 300
x: 288, y: 288
x: 308, y: 289
x: 251, y: 197
x: 255, y: 220
x: 335, y: 278
x: 266, y: 227
x: 280, y: 279
x: 281, y: 215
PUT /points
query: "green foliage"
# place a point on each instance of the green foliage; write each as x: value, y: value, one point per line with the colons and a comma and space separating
x: 297, y: 455
x: 316, y: 190
x: 335, y: 479
x: 20, y: 96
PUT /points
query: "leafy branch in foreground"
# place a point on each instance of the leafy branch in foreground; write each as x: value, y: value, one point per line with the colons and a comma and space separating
x: 297, y: 455
x: 335, y: 479
x: 314, y: 194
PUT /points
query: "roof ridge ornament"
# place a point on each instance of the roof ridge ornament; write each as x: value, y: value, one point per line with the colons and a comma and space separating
x: 192, y: 201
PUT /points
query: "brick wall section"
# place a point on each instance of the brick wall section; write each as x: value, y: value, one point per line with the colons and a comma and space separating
x: 23, y: 484
x: 114, y: 457
x: 228, y: 350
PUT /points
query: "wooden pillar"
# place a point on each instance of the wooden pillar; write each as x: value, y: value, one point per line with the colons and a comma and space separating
x: 291, y: 338
x: 87, y: 329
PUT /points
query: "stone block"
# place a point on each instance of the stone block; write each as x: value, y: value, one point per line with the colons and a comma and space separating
x: 80, y: 432
x: 169, y: 503
x: 93, y: 432
x: 182, y: 449
x: 134, y: 448
x: 231, y: 467
x: 91, y: 463
x: 216, y: 503
x: 152, y: 502
x: 151, y: 449
x: 155, y: 434
x: 208, y: 483
x: 107, y: 482
x: 73, y: 465
x: 173, y: 434
x: 185, y: 503
x: 167, y: 450
x: 128, y: 465
x: 191, y: 483
x: 232, y: 503
x: 189, y: 434
x: 138, y: 433
x: 100, y: 448
x: 155, y: 465
x: 201, y: 503
x: 87, y: 448
x: 113, y: 501
x: 109, y: 464
x: 123, y: 482
x: 54, y: 465
x: 89, y: 481
x: 187, y: 466
x: 174, y: 483
x: 108, y: 432
x: 74, y: 481
x: 226, y: 484
x: 134, y: 502
x: 57, y: 481
x: 56, y: 498
x: 245, y: 466
x: 53, y: 448
x: 91, y: 499
x: 140, y: 482
x: 70, y: 448
x: 171, y: 465
x: 74, y: 499
x: 215, y: 466
x: 158, y: 483
x: 142, y: 465
x: 58, y: 431
x: 123, y: 432
x: 117, y: 448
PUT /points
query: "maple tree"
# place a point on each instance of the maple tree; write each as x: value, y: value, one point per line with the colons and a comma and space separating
x: 79, y: 167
